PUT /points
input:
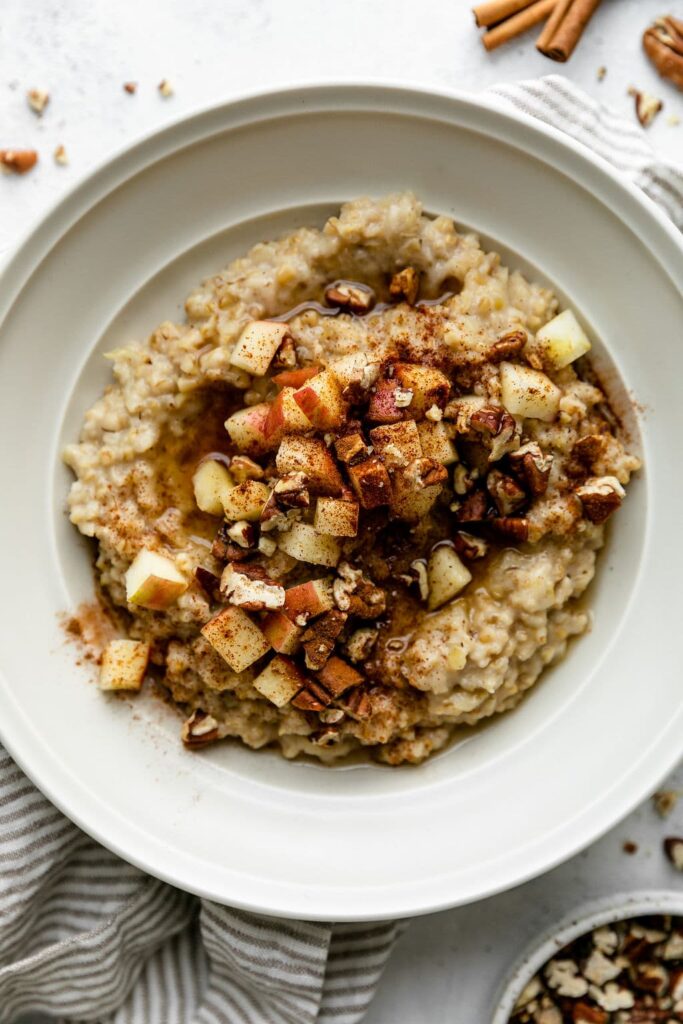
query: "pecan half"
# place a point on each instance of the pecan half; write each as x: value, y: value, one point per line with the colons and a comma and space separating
x: 505, y: 491
x: 199, y: 730
x: 600, y: 497
x: 663, y: 43
x: 533, y: 466
x: 405, y: 285
x: 507, y: 346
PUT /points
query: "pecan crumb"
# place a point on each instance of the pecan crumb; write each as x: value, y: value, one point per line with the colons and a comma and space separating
x: 19, y: 161
x: 38, y: 99
x: 647, y: 106
x: 130, y: 87
x: 60, y: 156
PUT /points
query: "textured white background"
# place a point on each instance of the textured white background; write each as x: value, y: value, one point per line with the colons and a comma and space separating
x: 449, y: 965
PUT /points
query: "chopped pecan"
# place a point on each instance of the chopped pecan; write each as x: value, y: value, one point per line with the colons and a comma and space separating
x: 223, y: 547
x: 285, y: 357
x: 355, y: 298
x: 199, y: 729
x: 18, y: 160
x: 351, y: 449
x: 651, y: 977
x: 663, y: 43
x: 497, y: 429
x: 209, y: 582
x: 426, y: 472
x: 337, y: 676
x: 647, y: 106
x: 464, y: 479
x: 360, y: 644
x: 291, y: 491
x: 505, y: 491
x: 370, y: 482
x: 468, y: 546
x: 356, y: 594
x: 533, y: 466
x: 600, y: 497
x: 508, y: 346
x: 474, y: 508
x: 250, y: 587
x: 306, y: 700
x: 515, y: 528
x: 405, y: 285
x: 242, y: 533
x: 358, y: 704
x: 584, y: 1013
x: 328, y: 736
x: 589, y: 449
x: 320, y: 637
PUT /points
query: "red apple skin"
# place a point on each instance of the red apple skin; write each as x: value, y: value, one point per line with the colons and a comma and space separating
x: 282, y: 634
x: 322, y: 401
x: 256, y: 417
x: 295, y: 378
x: 383, y: 408
x: 305, y: 599
x: 274, y: 420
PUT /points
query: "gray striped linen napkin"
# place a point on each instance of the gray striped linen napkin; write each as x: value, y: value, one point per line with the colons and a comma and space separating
x: 86, y: 937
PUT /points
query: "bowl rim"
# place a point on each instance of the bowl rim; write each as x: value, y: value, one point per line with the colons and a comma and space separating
x: 656, y: 232
x: 583, y: 919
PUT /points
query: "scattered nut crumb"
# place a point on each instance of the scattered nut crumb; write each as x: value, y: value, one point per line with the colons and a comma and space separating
x: 665, y: 801
x: 165, y: 88
x: 673, y: 848
x: 647, y: 106
x: 38, y: 99
x: 130, y: 87
x: 673, y: 120
x: 60, y: 156
x: 630, y: 847
x: 602, y: 71
x: 19, y: 161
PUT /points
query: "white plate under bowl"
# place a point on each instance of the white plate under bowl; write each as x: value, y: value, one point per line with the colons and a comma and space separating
x: 116, y: 257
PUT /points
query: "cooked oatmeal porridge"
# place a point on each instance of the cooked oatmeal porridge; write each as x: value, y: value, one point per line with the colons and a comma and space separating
x: 351, y: 504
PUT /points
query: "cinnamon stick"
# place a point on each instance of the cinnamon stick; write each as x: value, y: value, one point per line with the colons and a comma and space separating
x: 494, y: 11
x: 561, y: 44
x: 553, y: 22
x: 517, y: 24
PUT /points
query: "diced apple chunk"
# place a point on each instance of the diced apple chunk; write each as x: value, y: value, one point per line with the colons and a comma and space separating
x: 211, y: 483
x: 152, y: 581
x: 246, y: 501
x: 529, y: 393
x: 257, y: 344
x: 124, y: 663
x: 561, y: 341
x: 283, y: 635
x: 397, y: 444
x: 237, y: 639
x: 429, y: 387
x: 436, y: 444
x: 304, y: 543
x: 337, y: 676
x: 285, y: 417
x: 295, y: 378
x: 280, y: 681
x: 246, y: 429
x: 320, y: 399
x: 309, y: 455
x: 309, y: 599
x: 336, y: 517
x: 446, y: 575
x: 370, y: 482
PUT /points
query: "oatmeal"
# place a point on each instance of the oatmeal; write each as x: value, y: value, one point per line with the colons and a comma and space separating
x: 351, y: 504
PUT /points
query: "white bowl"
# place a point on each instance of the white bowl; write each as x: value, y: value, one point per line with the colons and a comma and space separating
x: 608, y: 910
x: 115, y: 258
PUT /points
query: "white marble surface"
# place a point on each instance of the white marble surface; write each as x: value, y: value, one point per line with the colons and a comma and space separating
x: 448, y: 966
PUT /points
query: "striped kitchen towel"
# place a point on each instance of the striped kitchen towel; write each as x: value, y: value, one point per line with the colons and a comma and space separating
x: 86, y: 937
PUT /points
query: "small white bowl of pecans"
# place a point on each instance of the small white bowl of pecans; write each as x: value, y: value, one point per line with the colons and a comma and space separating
x: 617, y: 960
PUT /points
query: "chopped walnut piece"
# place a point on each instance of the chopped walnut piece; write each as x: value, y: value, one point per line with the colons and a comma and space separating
x: 38, y: 99
x: 647, y: 106
x: 199, y: 730
x: 468, y: 546
x: 320, y: 637
x: 351, y: 297
x: 533, y: 466
x: 600, y: 496
x: 405, y: 285
x: 505, y: 491
x: 19, y: 161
